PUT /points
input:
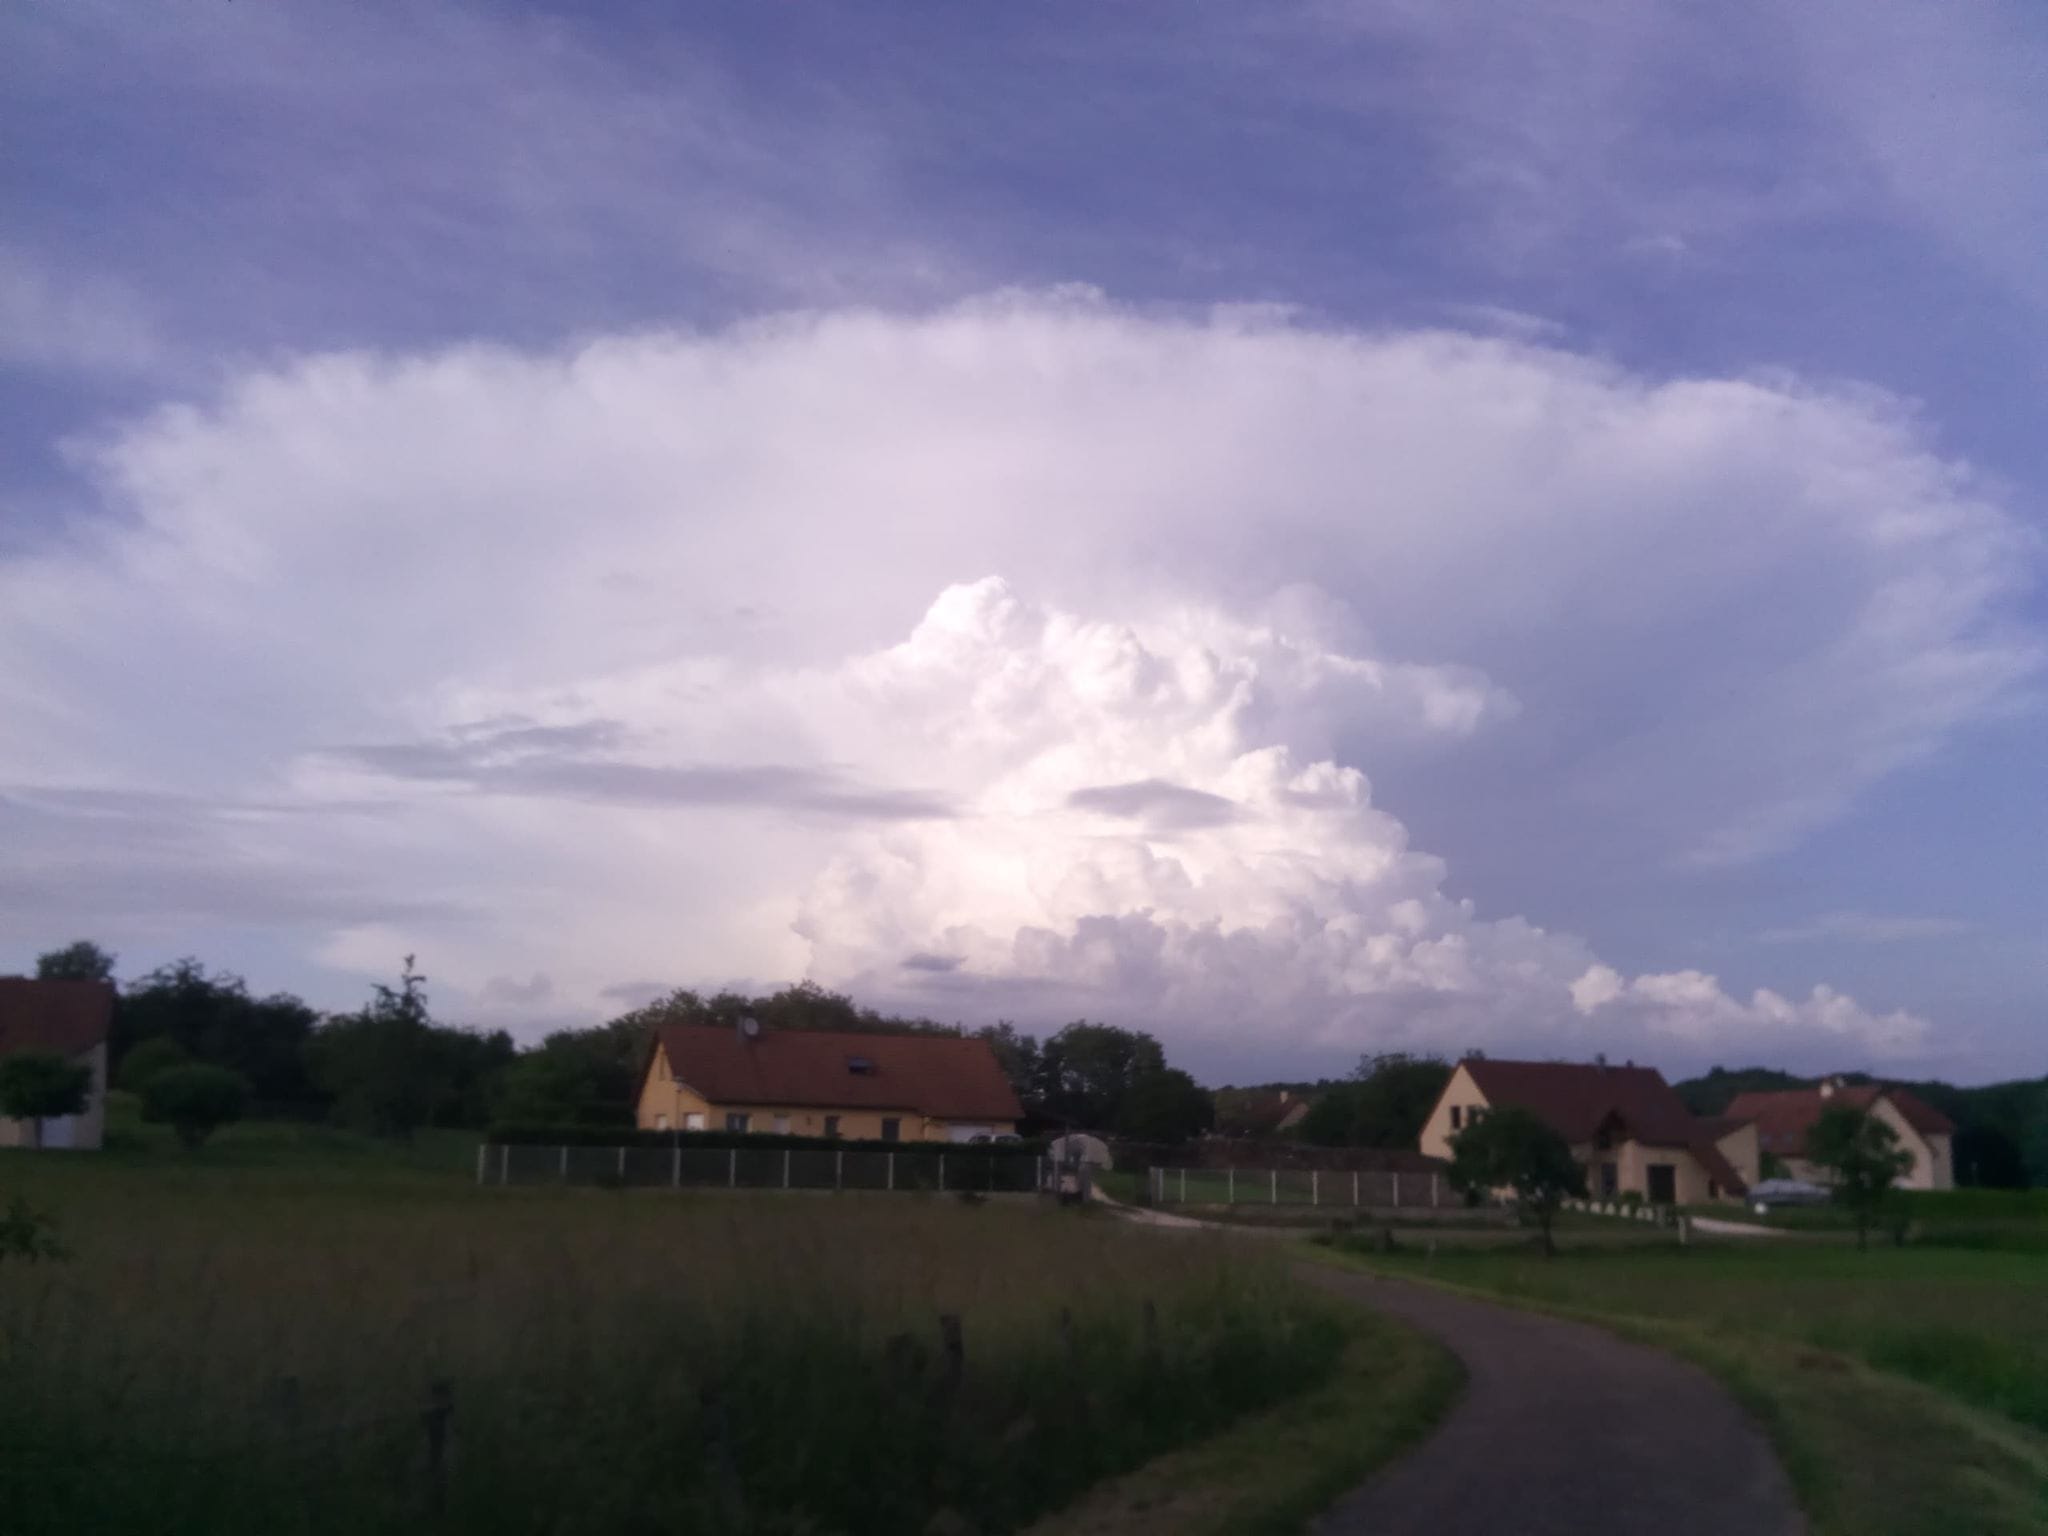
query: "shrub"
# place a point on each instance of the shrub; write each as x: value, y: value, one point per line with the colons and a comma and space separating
x: 195, y: 1100
x: 41, y: 1085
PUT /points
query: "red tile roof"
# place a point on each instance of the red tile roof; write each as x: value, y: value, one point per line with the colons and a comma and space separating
x: 1577, y: 1099
x: 67, y: 1017
x: 943, y: 1077
x: 1783, y: 1118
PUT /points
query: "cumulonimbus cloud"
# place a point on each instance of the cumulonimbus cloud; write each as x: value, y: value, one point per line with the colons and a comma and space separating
x: 1243, y: 563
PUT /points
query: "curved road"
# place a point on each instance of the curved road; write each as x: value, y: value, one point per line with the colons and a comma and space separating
x: 1566, y: 1429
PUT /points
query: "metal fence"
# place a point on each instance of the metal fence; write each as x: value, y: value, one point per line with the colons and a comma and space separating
x: 965, y: 1171
x: 1299, y: 1186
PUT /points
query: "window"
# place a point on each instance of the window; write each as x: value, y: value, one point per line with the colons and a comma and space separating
x: 1457, y: 1118
x: 661, y: 1122
x: 861, y: 1066
x: 693, y: 1122
x: 892, y: 1129
x: 737, y: 1120
x: 831, y: 1125
x: 1610, y: 1181
x: 782, y: 1125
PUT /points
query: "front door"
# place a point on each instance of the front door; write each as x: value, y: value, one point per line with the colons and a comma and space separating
x: 1663, y: 1184
x: 1610, y: 1181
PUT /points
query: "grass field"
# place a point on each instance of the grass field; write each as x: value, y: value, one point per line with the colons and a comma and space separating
x: 1907, y: 1389
x: 2015, y: 1220
x: 244, y: 1340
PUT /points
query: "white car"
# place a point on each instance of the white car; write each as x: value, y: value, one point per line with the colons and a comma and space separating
x: 1776, y: 1192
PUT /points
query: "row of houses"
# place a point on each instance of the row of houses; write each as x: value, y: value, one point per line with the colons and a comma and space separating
x: 1625, y: 1124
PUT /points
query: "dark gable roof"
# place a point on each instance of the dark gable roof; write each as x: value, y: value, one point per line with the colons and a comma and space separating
x: 67, y: 1017
x: 1576, y: 1099
x: 944, y: 1077
x: 1783, y: 1118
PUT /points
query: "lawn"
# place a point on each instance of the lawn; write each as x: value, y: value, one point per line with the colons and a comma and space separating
x: 246, y: 1339
x: 1906, y: 1388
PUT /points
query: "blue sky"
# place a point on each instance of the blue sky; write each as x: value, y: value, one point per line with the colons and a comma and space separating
x: 1559, y: 490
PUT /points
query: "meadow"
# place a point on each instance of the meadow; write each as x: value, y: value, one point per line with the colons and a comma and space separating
x: 250, y: 1339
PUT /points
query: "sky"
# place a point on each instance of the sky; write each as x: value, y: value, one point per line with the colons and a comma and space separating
x: 1309, y: 529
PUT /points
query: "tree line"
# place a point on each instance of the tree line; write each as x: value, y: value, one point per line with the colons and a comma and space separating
x: 200, y: 1049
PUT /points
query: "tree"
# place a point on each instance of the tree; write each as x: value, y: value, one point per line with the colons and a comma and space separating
x: 1385, y: 1104
x: 41, y: 1085
x: 1016, y: 1053
x: 381, y: 1065
x: 1086, y: 1070
x: 1165, y: 1106
x: 144, y: 1061
x: 79, y: 961
x: 213, y: 1017
x: 1511, y: 1148
x: 195, y: 1100
x: 1862, y: 1157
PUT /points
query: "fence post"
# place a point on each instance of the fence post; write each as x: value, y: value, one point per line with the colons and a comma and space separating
x: 565, y: 1165
x: 732, y: 1168
x: 1436, y: 1189
x: 504, y: 1162
x: 482, y: 1152
x: 1230, y: 1193
x: 942, y: 1173
x: 892, y: 1172
x: 1183, y: 1186
x: 675, y: 1167
x: 440, y: 1409
x: 1354, y: 1189
x: 622, y: 1165
x: 1274, y: 1175
x: 954, y: 1348
x: 785, y: 1167
x: 1397, y: 1189
x: 1315, y: 1186
x: 839, y: 1169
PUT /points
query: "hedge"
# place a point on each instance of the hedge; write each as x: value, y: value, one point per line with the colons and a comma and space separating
x: 720, y: 1141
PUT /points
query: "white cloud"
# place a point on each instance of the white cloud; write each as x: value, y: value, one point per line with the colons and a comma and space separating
x: 604, y: 653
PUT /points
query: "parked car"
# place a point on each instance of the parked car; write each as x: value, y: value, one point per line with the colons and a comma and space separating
x: 1776, y: 1192
x: 984, y: 1139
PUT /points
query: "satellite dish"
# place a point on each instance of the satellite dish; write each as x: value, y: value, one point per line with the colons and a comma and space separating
x: 750, y: 1027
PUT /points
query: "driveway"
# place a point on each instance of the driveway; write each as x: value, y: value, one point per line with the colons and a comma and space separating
x: 1563, y: 1429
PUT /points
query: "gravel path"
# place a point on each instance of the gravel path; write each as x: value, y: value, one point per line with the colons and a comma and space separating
x: 1566, y: 1429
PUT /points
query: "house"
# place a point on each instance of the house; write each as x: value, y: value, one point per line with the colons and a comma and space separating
x: 1626, y: 1126
x: 797, y: 1082
x: 1260, y: 1112
x: 69, y: 1019
x: 1783, y: 1119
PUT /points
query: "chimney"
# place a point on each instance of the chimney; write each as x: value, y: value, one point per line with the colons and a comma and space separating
x: 1285, y: 1095
x: 1828, y: 1085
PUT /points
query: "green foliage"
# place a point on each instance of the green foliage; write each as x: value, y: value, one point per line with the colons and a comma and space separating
x: 79, y: 961
x: 1017, y: 1054
x: 1165, y: 1107
x: 1513, y: 1149
x: 1087, y: 1070
x: 1385, y: 1104
x: 212, y: 1017
x: 41, y: 1085
x: 1863, y: 1158
x: 1712, y: 1094
x: 145, y: 1060
x: 28, y: 1235
x: 381, y: 1065
x: 194, y: 1100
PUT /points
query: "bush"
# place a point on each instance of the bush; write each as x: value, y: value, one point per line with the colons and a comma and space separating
x: 195, y: 1100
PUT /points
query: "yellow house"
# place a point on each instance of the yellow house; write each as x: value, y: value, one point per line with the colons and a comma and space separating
x: 1626, y: 1126
x: 1783, y: 1119
x: 69, y: 1019
x: 794, y: 1082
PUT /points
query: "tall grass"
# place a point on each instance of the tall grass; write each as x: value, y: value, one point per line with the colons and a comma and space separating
x: 238, y: 1350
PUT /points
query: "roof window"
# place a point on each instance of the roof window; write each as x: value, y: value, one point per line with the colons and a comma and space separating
x: 861, y: 1066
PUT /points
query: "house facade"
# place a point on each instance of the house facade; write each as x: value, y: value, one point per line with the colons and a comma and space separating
x: 863, y: 1087
x: 1626, y: 1126
x: 1783, y: 1120
x: 71, y: 1019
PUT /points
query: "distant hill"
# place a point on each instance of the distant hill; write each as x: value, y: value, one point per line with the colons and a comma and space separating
x: 2001, y: 1128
